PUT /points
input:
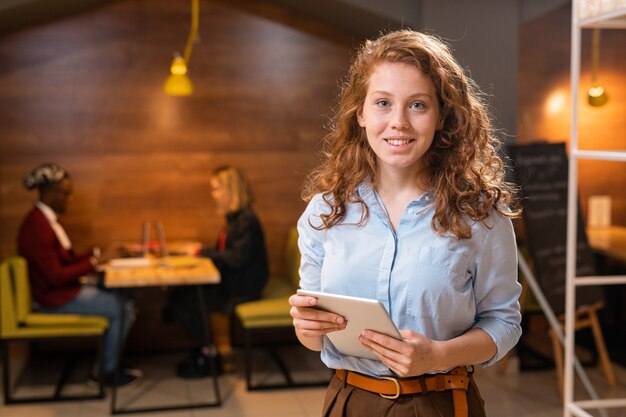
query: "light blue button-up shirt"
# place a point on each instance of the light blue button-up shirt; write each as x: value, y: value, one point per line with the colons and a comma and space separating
x: 435, y: 285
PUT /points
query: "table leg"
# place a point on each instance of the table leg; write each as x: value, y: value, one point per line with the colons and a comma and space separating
x: 116, y: 375
x: 209, y: 342
x: 207, y: 337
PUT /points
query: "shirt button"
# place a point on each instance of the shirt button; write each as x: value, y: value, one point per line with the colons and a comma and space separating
x: 411, y: 211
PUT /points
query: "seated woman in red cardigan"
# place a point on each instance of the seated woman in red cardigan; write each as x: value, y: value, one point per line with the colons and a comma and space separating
x: 55, y: 269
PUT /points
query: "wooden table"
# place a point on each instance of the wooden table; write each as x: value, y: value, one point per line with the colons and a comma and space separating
x: 125, y: 274
x: 171, y: 270
x: 609, y: 241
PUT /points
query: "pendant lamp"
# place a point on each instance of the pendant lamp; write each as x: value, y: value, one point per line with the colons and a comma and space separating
x: 178, y: 82
x: 596, y: 96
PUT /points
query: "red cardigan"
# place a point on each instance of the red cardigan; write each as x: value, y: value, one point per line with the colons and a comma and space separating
x: 54, y: 272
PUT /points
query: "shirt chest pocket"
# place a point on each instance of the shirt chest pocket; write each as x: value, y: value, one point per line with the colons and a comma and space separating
x: 439, y: 284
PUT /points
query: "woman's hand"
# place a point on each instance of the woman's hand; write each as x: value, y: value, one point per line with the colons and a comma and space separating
x: 414, y: 355
x: 310, y: 323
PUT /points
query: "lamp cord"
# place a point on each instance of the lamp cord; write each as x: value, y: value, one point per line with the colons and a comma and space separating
x: 195, y: 9
x: 595, y: 55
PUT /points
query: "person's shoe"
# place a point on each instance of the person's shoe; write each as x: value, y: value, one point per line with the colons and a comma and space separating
x: 125, y: 377
x: 129, y: 370
x: 198, y: 365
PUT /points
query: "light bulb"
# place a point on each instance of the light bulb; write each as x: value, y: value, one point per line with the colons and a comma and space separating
x: 179, y: 66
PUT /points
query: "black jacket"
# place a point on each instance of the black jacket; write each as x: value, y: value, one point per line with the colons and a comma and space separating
x: 243, y: 263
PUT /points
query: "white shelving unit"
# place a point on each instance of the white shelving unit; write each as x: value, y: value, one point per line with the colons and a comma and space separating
x: 586, y: 14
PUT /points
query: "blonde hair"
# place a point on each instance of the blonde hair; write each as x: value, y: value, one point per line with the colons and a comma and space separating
x: 462, y: 167
x: 237, y: 189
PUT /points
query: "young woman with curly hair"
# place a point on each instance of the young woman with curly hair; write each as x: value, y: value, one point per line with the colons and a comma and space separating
x: 410, y: 207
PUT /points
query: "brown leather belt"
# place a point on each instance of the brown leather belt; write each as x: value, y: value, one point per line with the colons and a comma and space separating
x: 456, y: 380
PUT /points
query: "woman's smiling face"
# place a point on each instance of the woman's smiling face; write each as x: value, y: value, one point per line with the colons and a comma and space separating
x: 400, y: 115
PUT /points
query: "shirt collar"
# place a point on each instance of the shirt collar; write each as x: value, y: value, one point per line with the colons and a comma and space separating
x: 367, y: 192
x: 47, y: 212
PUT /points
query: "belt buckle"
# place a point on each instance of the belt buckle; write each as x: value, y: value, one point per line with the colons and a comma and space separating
x: 395, y: 381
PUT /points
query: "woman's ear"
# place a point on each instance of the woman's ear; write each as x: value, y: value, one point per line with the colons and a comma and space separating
x: 359, y: 117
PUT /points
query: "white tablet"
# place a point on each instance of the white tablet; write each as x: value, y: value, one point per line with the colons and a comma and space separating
x: 361, y: 314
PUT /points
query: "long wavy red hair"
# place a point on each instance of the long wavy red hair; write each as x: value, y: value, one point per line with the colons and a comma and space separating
x: 462, y: 167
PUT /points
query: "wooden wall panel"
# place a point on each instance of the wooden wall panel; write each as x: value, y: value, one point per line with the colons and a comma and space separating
x: 544, y: 101
x: 85, y: 92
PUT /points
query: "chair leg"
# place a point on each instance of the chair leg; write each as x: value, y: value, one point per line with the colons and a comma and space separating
x: 56, y: 397
x: 248, y: 358
x: 67, y: 370
x: 100, y: 362
x: 600, y: 345
x: 6, y: 375
x: 558, y: 361
x: 281, y: 366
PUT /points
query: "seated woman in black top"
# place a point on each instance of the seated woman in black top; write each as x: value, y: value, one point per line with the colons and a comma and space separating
x: 240, y: 256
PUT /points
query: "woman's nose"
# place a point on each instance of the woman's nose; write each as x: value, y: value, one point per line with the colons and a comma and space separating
x: 399, y: 119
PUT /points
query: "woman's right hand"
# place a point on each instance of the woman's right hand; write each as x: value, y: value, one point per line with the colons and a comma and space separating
x: 311, y: 322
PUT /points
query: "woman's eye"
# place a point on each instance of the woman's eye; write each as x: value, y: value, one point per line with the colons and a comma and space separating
x: 382, y: 103
x: 417, y: 105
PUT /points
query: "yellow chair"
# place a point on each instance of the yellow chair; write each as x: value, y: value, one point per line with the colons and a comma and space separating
x: 269, y: 315
x: 19, y: 323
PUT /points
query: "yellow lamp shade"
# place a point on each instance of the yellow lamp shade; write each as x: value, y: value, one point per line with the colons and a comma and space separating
x: 597, y: 96
x: 178, y: 85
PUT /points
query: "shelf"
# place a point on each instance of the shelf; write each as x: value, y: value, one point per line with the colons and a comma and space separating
x: 616, y: 402
x: 615, y: 19
x: 577, y: 407
x: 602, y: 155
x: 601, y: 280
x: 597, y: 16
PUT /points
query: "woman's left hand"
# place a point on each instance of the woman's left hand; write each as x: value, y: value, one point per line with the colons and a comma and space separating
x: 415, y: 354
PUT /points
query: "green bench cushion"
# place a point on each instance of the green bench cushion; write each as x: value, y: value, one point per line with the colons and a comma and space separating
x: 45, y: 332
x: 262, y: 313
x: 45, y: 319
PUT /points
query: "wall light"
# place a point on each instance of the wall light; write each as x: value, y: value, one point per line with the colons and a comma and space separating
x: 556, y: 102
x: 178, y: 82
x: 596, y: 95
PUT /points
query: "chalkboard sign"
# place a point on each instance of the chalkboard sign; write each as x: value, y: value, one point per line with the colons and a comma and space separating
x: 541, y: 172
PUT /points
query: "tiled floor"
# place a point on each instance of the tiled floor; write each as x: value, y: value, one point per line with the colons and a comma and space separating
x: 514, y: 393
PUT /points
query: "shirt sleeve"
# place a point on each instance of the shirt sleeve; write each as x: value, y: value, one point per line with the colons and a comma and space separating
x: 311, y: 245
x: 43, y: 253
x: 496, y: 288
